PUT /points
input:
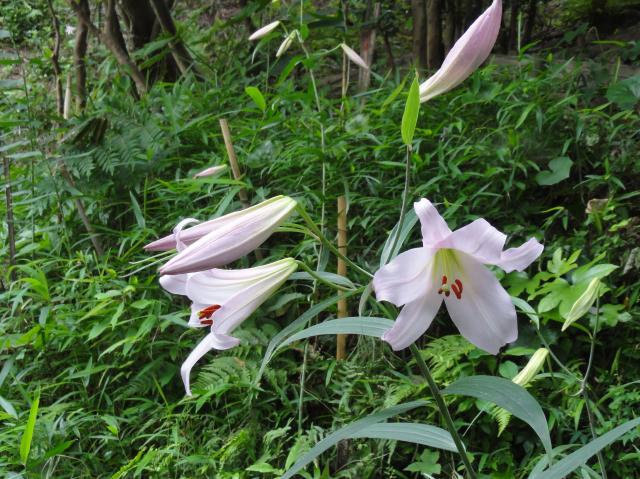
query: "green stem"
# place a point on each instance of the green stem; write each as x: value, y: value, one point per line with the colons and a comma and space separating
x: 424, y: 369
x: 405, y: 195
x: 321, y: 237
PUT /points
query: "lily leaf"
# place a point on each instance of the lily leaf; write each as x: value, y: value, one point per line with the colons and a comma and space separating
x: 509, y: 396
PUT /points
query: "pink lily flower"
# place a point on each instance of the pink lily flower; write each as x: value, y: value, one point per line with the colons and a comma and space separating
x: 468, y: 53
x: 450, y: 267
x: 223, y: 299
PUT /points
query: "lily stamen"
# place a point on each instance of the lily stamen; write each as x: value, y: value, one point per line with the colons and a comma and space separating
x: 205, y: 315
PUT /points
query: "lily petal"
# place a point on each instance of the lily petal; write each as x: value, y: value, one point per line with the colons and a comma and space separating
x: 175, y: 284
x: 402, y: 280
x: 217, y: 286
x: 434, y: 227
x: 477, y: 239
x: 210, y: 341
x: 414, y: 319
x: 468, y: 53
x: 240, y: 306
x: 521, y: 257
x: 484, y: 314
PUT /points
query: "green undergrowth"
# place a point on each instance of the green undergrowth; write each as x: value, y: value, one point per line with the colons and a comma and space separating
x: 526, y: 147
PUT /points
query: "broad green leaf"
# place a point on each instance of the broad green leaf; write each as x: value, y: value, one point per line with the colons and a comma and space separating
x: 351, y: 430
x: 625, y: 93
x: 559, y: 169
x: 365, y: 326
x: 562, y: 468
x: 257, y: 97
x: 27, y: 435
x: 583, y: 303
x: 527, y: 309
x: 509, y: 396
x: 410, y: 116
x: 424, y: 434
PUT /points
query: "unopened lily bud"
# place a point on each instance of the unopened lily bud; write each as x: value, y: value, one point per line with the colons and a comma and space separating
x: 354, y: 57
x: 284, y: 46
x: 264, y: 31
x: 223, y: 240
x: 214, y: 170
x: 468, y: 53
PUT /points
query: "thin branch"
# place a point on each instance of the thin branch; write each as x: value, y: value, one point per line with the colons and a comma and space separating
x: 55, y: 58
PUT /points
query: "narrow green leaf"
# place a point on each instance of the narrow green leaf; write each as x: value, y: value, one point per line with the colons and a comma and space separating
x: 257, y: 97
x: 27, y: 435
x: 410, y: 220
x: 410, y: 116
x: 294, y: 326
x: 137, y: 212
x: 576, y: 459
x: 351, y: 430
x: 509, y: 396
x: 365, y: 326
x: 327, y: 276
x: 424, y: 434
x: 8, y: 407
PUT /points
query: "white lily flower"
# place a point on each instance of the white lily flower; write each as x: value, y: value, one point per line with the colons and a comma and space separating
x: 468, y: 53
x: 222, y: 299
x: 264, y: 31
x: 220, y: 241
x: 449, y: 267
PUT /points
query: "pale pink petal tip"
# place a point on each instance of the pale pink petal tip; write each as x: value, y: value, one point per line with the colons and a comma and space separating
x: 214, y: 170
x: 354, y: 57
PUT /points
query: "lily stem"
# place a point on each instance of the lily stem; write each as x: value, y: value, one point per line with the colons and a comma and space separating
x: 405, y: 195
x: 320, y: 236
x: 424, y: 369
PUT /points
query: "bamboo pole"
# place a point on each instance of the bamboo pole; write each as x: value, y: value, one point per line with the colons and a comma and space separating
x: 10, y: 223
x: 233, y: 160
x: 341, y: 344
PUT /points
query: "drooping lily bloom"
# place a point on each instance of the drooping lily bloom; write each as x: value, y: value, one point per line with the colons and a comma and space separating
x: 222, y: 299
x: 468, y: 53
x: 264, y: 31
x: 450, y: 267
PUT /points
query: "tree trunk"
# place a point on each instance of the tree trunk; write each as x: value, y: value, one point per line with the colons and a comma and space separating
x: 368, y: 44
x: 55, y: 56
x: 531, y: 21
x: 418, y: 11
x: 79, y: 54
x: 449, y: 31
x: 434, y: 34
x: 513, y: 25
x: 179, y: 52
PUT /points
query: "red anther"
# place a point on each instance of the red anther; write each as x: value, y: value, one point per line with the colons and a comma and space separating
x: 446, y: 293
x: 208, y: 312
x: 456, y: 290
x: 444, y: 280
x: 440, y: 291
x: 206, y: 322
x: 459, y: 283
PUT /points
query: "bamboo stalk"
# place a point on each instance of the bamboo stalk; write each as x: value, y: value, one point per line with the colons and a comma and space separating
x: 233, y: 160
x: 341, y: 342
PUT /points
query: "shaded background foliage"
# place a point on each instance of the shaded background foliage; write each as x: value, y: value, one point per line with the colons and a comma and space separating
x: 531, y: 142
